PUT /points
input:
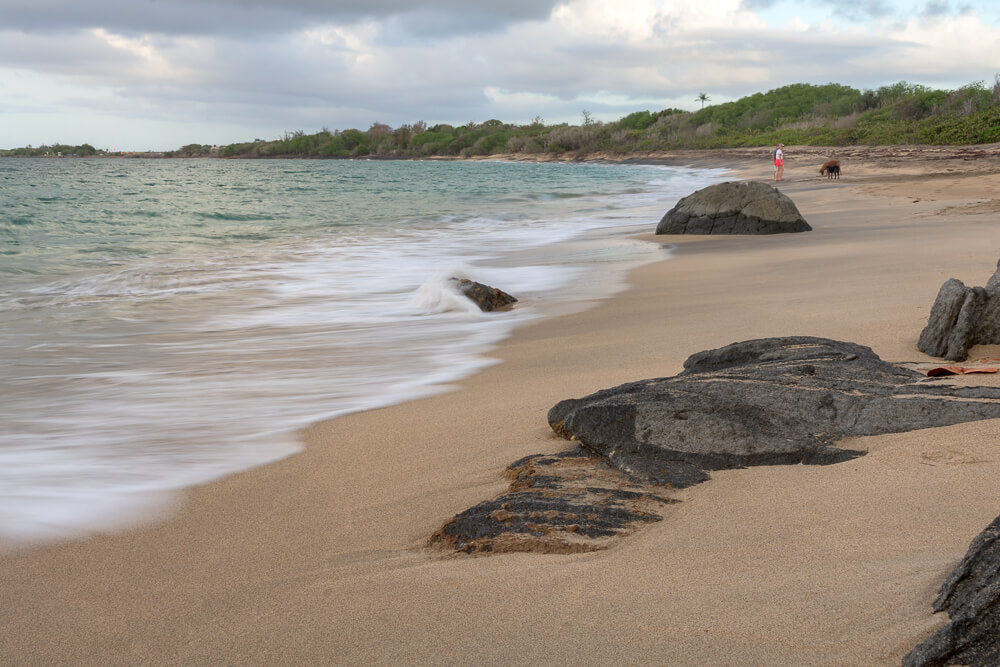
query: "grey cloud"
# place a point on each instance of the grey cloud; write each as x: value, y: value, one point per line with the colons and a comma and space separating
x: 865, y: 9
x: 855, y: 11
x: 277, y: 82
x: 938, y: 8
x: 758, y: 4
x: 79, y: 55
x: 256, y: 17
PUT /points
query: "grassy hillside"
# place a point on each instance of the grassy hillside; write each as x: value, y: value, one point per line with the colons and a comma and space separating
x: 803, y: 114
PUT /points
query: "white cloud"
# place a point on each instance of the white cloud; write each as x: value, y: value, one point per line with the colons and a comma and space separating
x: 942, y: 45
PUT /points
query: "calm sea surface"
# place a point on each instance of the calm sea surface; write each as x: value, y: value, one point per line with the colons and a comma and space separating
x: 166, y: 322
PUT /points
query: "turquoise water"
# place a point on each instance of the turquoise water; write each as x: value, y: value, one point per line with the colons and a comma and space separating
x: 167, y: 322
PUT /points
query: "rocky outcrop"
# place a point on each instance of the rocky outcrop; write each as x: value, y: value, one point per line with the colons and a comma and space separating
x: 971, y: 596
x: 735, y: 207
x: 562, y: 503
x: 962, y: 317
x: 486, y: 297
x: 761, y: 402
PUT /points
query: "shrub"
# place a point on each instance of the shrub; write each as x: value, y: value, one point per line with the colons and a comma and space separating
x: 353, y: 139
x: 639, y: 120
x: 491, y: 144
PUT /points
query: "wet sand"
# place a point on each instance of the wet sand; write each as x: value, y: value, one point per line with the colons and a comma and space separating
x: 322, y: 557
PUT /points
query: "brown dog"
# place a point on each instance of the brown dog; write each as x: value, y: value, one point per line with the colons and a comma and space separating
x: 831, y: 168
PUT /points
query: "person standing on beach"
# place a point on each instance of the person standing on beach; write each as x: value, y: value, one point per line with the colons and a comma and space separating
x: 779, y: 162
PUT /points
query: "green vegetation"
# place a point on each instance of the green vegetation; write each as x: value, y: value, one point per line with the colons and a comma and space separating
x: 798, y: 114
x: 804, y: 114
x: 86, y: 150
x: 196, y: 150
x: 55, y: 150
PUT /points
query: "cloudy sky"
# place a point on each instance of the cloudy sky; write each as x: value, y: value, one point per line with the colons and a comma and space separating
x: 158, y: 74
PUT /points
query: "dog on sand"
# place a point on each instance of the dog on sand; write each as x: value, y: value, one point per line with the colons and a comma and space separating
x: 831, y: 168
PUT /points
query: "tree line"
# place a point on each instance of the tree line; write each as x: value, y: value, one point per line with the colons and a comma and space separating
x: 798, y: 114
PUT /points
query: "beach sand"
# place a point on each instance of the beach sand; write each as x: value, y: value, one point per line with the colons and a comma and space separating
x: 322, y: 557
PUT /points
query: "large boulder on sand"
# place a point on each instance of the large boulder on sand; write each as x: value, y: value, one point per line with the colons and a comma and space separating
x: 735, y: 207
x: 761, y: 402
x: 962, y: 317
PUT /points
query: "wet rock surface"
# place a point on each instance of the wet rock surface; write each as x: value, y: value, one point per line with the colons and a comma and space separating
x: 971, y: 596
x: 962, y: 317
x: 735, y: 207
x: 486, y: 297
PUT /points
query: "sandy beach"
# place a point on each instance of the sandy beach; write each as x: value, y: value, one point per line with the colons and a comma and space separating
x: 322, y: 558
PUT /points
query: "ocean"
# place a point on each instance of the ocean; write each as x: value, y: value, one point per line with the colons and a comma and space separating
x: 168, y: 322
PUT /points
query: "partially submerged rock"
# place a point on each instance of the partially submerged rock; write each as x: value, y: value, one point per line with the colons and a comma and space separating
x: 486, y: 297
x: 962, y: 317
x: 735, y: 207
x: 761, y: 402
x: 971, y: 596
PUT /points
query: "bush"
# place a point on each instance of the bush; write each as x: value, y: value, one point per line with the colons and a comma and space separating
x: 492, y: 144
x: 353, y: 139
x: 639, y: 120
x: 334, y: 147
x: 431, y: 142
x: 523, y: 144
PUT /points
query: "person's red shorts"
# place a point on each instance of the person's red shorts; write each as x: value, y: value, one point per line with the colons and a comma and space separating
x: 778, y: 163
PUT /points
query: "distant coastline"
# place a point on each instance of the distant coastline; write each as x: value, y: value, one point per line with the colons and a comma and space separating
x: 800, y: 159
x: 831, y: 115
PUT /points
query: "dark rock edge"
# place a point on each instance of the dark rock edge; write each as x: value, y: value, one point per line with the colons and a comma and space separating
x: 971, y: 596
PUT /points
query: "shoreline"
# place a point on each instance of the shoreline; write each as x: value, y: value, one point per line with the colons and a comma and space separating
x: 709, y: 158
x: 321, y: 557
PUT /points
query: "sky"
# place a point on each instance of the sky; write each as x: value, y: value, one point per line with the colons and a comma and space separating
x: 159, y: 74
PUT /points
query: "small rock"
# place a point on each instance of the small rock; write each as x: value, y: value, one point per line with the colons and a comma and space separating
x: 486, y: 297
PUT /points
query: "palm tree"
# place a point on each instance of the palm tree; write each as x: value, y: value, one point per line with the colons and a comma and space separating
x: 702, y: 97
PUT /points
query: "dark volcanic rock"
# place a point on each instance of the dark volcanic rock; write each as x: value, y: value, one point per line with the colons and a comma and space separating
x: 761, y: 402
x: 769, y: 401
x: 971, y: 596
x: 736, y: 207
x: 562, y: 503
x: 486, y: 297
x: 962, y: 317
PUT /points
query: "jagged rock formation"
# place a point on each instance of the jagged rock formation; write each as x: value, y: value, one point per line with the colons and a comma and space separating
x: 761, y: 402
x: 971, y: 596
x: 735, y: 207
x: 486, y: 297
x: 962, y: 317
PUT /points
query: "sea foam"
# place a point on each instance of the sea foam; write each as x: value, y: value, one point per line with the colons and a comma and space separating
x: 141, y: 354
